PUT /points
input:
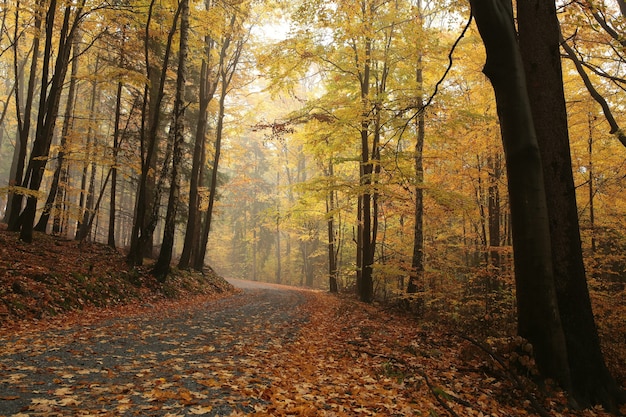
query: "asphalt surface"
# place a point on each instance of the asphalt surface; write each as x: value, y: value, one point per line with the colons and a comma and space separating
x: 206, y: 360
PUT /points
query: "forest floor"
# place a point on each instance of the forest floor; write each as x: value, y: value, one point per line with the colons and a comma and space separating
x: 82, y: 335
x: 55, y: 275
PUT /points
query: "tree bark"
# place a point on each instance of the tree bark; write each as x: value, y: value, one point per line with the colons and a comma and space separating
x: 55, y: 198
x: 23, y: 123
x: 538, y: 313
x: 48, y: 106
x: 208, y: 87
x: 226, y: 70
x: 416, y: 276
x: 116, y: 144
x: 145, y: 218
x: 539, y: 38
x: 162, y: 266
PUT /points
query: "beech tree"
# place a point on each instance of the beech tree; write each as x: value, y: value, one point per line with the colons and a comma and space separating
x: 554, y: 311
x: 162, y: 266
x: 538, y: 313
x: 50, y: 96
x: 148, y: 197
x: 539, y: 38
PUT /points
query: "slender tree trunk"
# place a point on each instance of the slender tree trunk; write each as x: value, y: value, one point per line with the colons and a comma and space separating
x: 23, y: 123
x: 332, y: 241
x: 226, y: 71
x: 278, y: 259
x: 116, y: 144
x: 162, y: 266
x: 417, y: 260
x: 207, y: 91
x: 55, y: 197
x: 143, y: 226
x: 493, y: 214
x: 539, y: 42
x: 87, y: 189
x: 204, y: 239
x: 538, y: 312
x: 591, y: 187
x: 365, y: 283
x: 48, y: 106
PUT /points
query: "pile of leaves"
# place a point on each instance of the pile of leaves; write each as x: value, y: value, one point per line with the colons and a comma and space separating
x: 54, y: 275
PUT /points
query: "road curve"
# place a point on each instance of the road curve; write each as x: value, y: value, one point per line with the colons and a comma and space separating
x: 195, y: 360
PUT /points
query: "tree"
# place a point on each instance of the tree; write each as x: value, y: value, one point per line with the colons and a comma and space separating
x: 55, y: 196
x: 417, y: 259
x: 162, y: 266
x: 538, y: 311
x: 23, y: 115
x: 209, y: 82
x: 50, y: 96
x: 146, y: 212
x: 235, y: 37
x: 539, y: 39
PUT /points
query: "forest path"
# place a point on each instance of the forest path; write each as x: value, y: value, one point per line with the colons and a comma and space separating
x: 268, y: 351
x: 204, y: 359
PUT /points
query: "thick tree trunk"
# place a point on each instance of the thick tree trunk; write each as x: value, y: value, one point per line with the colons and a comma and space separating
x: 538, y: 312
x: 539, y: 42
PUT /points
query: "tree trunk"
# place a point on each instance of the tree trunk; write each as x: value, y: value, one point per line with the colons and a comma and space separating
x: 145, y: 219
x: 365, y: 283
x: 538, y: 313
x: 204, y: 238
x: 116, y: 144
x: 493, y: 214
x: 162, y: 266
x: 87, y: 190
x: 48, y: 107
x: 55, y: 198
x: 332, y: 241
x: 417, y: 260
x: 539, y: 43
x: 14, y: 206
x: 277, y: 248
x: 207, y: 91
x: 226, y: 70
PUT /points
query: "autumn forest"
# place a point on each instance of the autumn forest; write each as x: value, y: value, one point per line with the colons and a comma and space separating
x: 463, y: 161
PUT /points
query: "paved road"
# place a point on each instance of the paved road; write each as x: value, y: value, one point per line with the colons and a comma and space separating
x: 206, y: 360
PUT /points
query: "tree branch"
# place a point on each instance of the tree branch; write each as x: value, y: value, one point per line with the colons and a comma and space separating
x: 615, y: 129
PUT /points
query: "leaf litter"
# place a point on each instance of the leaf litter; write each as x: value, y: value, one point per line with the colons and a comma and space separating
x: 260, y: 353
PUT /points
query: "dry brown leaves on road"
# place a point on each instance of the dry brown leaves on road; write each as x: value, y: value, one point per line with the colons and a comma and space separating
x: 261, y: 353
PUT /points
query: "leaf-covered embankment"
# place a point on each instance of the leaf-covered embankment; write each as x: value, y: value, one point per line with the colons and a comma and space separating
x: 54, y: 275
